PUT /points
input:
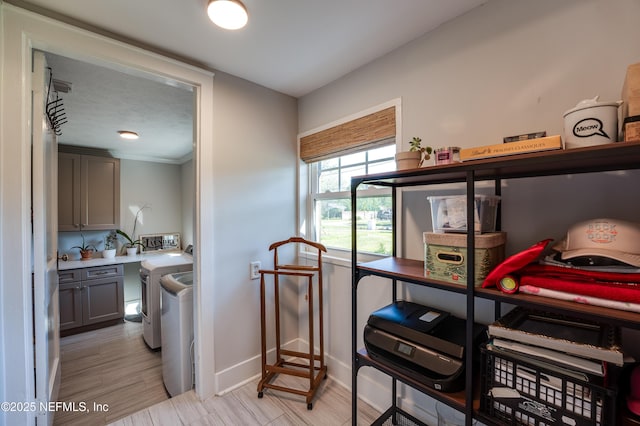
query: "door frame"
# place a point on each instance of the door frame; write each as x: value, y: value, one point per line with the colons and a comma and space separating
x: 44, y: 160
x: 22, y: 32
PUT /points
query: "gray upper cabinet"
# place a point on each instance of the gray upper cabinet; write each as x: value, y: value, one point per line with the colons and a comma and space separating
x: 88, y: 192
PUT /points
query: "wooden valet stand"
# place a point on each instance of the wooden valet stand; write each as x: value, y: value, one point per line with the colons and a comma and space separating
x: 312, y: 365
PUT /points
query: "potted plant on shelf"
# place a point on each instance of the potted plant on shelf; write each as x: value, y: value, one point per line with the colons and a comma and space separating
x: 130, y: 245
x: 86, y: 250
x: 110, y: 240
x: 415, y: 157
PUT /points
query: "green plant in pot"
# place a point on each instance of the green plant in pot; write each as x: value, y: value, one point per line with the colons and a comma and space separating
x: 130, y: 246
x: 425, y: 151
x: 86, y: 250
x: 110, y: 245
x: 415, y: 157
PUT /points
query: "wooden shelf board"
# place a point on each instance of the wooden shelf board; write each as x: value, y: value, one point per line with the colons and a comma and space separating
x: 613, y: 316
x: 407, y: 270
x: 456, y: 400
x: 412, y: 271
x: 615, y: 156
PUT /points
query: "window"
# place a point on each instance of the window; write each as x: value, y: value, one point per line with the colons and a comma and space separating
x: 331, y: 199
x: 363, y: 143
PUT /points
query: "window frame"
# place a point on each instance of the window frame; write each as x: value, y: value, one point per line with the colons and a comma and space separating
x: 307, y: 173
x: 316, y: 195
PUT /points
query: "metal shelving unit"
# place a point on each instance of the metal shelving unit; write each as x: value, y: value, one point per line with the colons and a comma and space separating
x: 618, y: 156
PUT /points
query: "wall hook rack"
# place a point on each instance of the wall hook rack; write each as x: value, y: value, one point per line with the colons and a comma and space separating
x: 55, y: 108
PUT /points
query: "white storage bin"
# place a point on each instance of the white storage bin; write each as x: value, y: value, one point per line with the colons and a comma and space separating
x: 449, y: 213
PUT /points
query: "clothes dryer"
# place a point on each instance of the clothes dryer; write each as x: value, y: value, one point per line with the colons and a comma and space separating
x: 151, y: 270
x: 177, y: 332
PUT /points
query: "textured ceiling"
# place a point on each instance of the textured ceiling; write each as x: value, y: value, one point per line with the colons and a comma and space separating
x: 103, y: 101
x: 291, y: 46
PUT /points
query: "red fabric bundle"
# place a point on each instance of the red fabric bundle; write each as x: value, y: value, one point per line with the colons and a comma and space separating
x: 624, y: 287
x: 577, y: 274
x: 622, y: 292
x: 514, y: 263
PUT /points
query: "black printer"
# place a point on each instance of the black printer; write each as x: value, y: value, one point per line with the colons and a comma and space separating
x: 424, y: 343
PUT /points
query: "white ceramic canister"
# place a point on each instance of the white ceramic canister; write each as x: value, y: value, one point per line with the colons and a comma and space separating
x: 591, y: 123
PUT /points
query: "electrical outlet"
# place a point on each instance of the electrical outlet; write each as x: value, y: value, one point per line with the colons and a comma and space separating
x: 254, y: 270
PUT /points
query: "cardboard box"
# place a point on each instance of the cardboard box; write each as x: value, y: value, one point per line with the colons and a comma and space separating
x: 445, y: 256
x: 547, y: 143
x: 631, y: 91
x: 631, y: 107
x: 631, y: 128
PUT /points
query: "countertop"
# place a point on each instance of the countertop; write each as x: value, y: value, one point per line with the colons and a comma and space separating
x: 100, y: 261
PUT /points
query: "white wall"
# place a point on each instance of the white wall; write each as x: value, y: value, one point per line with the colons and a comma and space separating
x: 505, y: 68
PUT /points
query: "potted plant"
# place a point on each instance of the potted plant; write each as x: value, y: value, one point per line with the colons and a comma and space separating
x: 130, y: 245
x: 110, y: 240
x: 86, y: 250
x: 413, y: 158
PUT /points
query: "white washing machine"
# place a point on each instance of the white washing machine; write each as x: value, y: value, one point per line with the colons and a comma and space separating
x: 177, y: 332
x: 151, y: 270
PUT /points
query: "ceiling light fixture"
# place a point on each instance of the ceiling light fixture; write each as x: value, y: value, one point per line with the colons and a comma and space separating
x: 228, y: 14
x: 127, y: 134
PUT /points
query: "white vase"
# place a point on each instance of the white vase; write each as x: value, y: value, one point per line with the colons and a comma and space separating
x: 131, y: 251
x: 408, y: 160
x: 109, y: 253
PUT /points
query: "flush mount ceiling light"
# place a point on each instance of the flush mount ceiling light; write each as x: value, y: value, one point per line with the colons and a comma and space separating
x: 127, y: 134
x: 228, y: 14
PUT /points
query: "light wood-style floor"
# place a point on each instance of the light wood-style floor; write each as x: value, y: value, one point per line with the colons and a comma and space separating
x: 113, y: 366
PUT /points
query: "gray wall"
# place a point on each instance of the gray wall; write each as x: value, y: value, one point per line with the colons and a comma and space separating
x: 187, y: 199
x: 505, y: 68
x: 254, y: 178
x: 158, y: 188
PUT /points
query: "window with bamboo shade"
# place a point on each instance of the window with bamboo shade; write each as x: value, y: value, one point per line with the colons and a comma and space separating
x: 333, y: 154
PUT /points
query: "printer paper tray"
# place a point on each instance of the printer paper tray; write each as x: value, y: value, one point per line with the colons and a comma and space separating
x: 453, y: 383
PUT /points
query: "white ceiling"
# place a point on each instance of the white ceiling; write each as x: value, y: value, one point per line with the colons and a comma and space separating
x: 291, y: 46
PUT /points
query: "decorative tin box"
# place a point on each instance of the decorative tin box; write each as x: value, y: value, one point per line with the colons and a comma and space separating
x: 445, y: 256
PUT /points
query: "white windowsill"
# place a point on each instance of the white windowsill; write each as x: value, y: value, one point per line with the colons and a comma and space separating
x: 344, y: 261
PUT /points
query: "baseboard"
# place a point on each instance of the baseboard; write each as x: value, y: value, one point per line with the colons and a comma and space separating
x: 374, y: 387
x: 245, y: 371
x: 235, y: 376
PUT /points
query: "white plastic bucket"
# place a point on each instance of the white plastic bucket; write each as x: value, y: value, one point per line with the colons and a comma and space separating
x: 591, y: 123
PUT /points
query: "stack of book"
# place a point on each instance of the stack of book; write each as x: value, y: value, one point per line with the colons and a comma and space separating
x: 574, y: 345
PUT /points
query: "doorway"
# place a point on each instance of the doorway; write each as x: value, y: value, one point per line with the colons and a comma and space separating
x: 156, y: 194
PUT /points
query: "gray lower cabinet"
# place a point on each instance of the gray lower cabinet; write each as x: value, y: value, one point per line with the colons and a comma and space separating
x: 91, y: 296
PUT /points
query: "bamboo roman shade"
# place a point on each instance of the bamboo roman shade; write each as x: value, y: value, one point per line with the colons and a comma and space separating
x: 363, y: 132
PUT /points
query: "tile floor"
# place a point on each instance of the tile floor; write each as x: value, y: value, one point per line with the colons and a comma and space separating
x: 113, y: 367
